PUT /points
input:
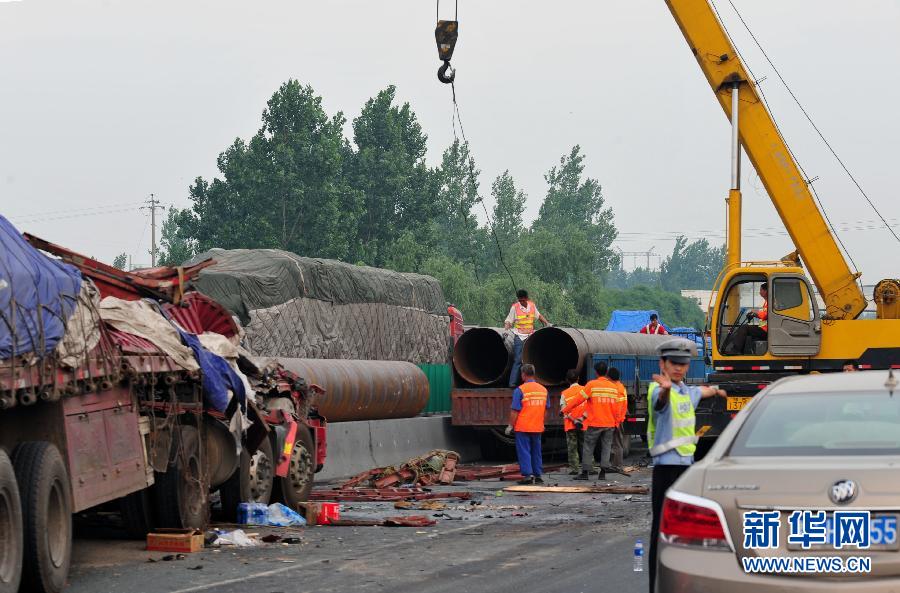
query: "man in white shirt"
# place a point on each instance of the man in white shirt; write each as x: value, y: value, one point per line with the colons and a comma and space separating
x: 520, y: 320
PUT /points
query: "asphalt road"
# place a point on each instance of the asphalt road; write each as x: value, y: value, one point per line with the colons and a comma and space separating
x: 515, y: 543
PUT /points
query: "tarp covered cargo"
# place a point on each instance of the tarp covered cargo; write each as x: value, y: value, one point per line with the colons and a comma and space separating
x: 37, y: 296
x: 302, y: 307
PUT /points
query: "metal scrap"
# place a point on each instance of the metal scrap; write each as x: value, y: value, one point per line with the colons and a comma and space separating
x: 437, y: 466
x: 611, y: 489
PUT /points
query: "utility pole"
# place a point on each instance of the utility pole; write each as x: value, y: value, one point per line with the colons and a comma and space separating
x: 152, y: 205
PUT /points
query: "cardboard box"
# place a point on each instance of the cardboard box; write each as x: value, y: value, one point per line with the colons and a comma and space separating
x: 175, y: 540
x: 310, y: 512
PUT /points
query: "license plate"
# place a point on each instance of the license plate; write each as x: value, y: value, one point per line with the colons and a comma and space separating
x: 882, y: 534
x: 734, y: 404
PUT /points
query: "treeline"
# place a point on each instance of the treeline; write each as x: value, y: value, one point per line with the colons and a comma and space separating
x: 299, y: 184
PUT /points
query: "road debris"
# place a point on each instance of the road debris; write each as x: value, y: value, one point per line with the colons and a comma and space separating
x: 610, y: 489
x: 435, y: 467
x: 236, y: 538
x: 385, y: 494
x: 428, y: 505
x: 409, y: 521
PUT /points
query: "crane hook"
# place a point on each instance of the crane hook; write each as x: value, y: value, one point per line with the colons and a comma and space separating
x: 442, y: 73
x: 446, y: 34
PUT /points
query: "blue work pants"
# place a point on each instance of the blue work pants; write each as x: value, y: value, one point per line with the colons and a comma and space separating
x: 515, y: 374
x: 528, y: 450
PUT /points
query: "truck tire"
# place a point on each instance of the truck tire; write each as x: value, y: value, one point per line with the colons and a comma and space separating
x: 46, y: 516
x: 295, y: 488
x: 181, y: 494
x: 252, y: 481
x: 10, y: 528
x: 137, y: 514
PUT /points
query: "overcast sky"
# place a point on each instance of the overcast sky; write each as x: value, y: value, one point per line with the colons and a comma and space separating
x: 106, y: 101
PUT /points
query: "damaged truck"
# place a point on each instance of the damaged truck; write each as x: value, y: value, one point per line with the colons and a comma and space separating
x: 121, y: 389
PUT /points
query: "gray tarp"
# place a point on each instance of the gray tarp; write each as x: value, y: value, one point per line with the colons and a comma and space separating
x: 301, y: 307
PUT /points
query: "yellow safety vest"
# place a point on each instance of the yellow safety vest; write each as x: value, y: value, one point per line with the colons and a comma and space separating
x: 683, y: 438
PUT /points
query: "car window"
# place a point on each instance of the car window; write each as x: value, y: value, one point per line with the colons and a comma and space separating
x: 865, y: 423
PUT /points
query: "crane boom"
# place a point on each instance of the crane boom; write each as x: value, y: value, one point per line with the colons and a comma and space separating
x: 771, y: 158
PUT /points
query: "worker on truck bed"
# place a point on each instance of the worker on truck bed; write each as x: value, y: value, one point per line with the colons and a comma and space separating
x: 520, y: 319
x: 654, y: 327
x: 573, y: 421
x: 526, y: 418
x: 671, y: 428
x: 602, y: 407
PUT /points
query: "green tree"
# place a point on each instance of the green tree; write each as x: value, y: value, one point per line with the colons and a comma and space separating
x: 286, y: 188
x: 509, y: 205
x: 574, y: 202
x: 177, y: 244
x: 457, y: 193
x: 120, y: 261
x: 389, y: 170
x: 692, y: 265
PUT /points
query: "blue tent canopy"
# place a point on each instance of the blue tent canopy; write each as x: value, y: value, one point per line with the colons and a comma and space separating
x: 630, y: 321
x: 37, y: 296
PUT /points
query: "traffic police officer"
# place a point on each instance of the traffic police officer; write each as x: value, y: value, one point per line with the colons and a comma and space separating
x: 671, y: 431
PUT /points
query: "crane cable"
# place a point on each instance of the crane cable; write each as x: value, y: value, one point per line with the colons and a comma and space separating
x: 446, y: 43
x: 813, y: 124
x: 808, y: 180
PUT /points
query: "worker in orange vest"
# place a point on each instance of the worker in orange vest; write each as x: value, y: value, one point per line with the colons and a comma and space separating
x: 618, y: 448
x: 654, y: 327
x: 602, y: 409
x: 526, y: 419
x: 573, y: 422
x: 520, y: 320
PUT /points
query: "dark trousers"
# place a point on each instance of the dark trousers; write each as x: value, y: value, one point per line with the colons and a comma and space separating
x: 528, y: 450
x: 516, y: 370
x: 592, y: 436
x: 739, y: 339
x: 663, y: 478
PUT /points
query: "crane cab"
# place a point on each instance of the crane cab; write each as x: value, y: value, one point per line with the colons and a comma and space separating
x: 765, y: 312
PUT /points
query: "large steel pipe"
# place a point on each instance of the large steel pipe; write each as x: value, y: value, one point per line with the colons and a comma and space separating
x: 555, y: 350
x: 364, y: 389
x: 483, y: 355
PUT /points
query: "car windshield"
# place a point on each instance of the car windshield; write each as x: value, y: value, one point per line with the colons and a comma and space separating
x: 817, y: 424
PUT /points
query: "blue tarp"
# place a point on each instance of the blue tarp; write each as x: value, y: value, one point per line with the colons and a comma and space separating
x: 630, y: 321
x: 37, y: 296
x: 218, y: 376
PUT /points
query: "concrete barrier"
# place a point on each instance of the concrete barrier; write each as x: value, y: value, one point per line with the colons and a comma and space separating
x: 354, y: 447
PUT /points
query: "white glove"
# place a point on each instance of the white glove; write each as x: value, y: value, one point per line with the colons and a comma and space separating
x: 508, y: 430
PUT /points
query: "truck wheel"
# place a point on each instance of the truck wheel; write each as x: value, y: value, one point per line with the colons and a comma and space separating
x: 298, y: 484
x: 252, y: 481
x: 182, y: 492
x: 46, y: 516
x: 137, y: 514
x: 10, y: 528
x: 626, y: 446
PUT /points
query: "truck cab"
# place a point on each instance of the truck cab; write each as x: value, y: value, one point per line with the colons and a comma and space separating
x: 793, y: 328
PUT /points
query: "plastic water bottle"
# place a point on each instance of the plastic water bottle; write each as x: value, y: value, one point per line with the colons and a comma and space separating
x: 639, y: 556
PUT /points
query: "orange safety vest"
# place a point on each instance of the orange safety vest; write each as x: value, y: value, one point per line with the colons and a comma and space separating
x: 763, y: 316
x: 623, y: 401
x: 651, y: 330
x: 565, y: 399
x: 534, y: 406
x: 525, y: 317
x: 602, y: 397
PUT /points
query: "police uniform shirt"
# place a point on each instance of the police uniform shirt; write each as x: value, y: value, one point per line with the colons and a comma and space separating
x: 663, y: 422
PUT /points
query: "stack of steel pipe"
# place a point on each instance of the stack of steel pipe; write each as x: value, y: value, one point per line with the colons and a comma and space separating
x: 483, y: 355
x: 364, y: 389
x: 555, y: 350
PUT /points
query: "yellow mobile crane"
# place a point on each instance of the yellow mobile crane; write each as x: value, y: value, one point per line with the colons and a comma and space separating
x: 797, y: 331
x: 800, y: 337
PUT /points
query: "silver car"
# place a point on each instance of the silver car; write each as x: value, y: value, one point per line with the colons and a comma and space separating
x: 800, y: 493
